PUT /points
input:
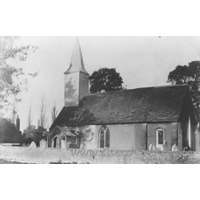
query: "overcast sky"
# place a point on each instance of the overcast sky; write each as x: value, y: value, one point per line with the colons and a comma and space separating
x: 141, y: 61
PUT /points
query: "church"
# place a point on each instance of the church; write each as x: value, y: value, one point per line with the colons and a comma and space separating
x: 134, y: 119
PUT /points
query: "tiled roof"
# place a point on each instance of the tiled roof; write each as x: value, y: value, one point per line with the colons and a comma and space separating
x: 153, y: 104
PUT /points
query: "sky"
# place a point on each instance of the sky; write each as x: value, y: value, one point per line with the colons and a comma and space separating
x: 141, y: 62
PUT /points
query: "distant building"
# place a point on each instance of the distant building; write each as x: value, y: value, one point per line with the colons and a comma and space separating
x: 9, y: 132
x: 130, y: 119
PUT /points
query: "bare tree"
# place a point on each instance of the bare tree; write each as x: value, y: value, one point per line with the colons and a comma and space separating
x: 54, y: 113
x: 30, y: 117
x: 42, y: 116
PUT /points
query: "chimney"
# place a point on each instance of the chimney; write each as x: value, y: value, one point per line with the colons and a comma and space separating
x: 18, y: 123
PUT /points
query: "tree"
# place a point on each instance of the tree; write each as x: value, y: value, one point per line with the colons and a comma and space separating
x: 54, y: 113
x: 32, y: 134
x: 30, y: 117
x: 42, y: 115
x: 189, y: 75
x: 10, y: 76
x: 105, y: 80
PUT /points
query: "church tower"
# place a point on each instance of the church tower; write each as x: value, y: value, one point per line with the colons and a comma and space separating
x: 76, y: 78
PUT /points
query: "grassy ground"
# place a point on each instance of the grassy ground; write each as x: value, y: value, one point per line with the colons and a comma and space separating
x: 8, y: 162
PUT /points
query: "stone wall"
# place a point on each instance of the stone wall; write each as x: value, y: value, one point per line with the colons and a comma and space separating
x: 48, y: 155
x: 41, y: 155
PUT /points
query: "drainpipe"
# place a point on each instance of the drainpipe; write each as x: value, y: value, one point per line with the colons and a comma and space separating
x: 189, y: 132
x: 47, y: 141
x: 147, y: 137
x: 177, y: 134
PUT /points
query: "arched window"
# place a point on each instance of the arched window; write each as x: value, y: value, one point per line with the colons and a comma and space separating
x: 104, y: 137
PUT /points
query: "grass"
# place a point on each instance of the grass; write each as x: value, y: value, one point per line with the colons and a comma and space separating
x: 2, y: 161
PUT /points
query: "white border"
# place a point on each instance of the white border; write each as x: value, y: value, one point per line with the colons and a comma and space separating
x: 99, y: 18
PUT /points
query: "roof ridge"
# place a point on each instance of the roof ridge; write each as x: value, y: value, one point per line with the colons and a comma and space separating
x: 163, y: 86
x: 116, y: 91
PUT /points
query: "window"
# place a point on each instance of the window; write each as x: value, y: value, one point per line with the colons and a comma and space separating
x: 72, y: 140
x: 160, y: 137
x: 104, y: 137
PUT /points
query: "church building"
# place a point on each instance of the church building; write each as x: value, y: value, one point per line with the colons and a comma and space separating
x: 136, y: 119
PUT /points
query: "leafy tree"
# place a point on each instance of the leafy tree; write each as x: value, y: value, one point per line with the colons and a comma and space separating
x: 189, y: 75
x: 11, y: 82
x: 105, y: 80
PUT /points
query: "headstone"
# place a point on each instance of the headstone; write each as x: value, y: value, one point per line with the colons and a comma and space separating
x: 174, y: 148
x: 165, y: 146
x: 152, y: 147
x: 33, y: 145
x: 43, y: 144
x: 186, y: 149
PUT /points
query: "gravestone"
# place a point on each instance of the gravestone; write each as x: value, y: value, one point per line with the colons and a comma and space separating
x: 33, y: 145
x: 43, y: 144
x: 152, y: 147
x: 165, y: 146
x: 175, y: 148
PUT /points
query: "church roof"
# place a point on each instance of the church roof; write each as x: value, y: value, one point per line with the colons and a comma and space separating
x: 76, y: 64
x: 65, y: 131
x: 143, y: 105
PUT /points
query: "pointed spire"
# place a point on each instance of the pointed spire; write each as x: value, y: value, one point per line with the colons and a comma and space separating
x: 76, y: 64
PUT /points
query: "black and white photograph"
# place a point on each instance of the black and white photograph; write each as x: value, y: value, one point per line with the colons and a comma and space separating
x: 100, y: 100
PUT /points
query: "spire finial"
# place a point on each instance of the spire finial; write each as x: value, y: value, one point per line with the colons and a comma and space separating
x: 76, y: 64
